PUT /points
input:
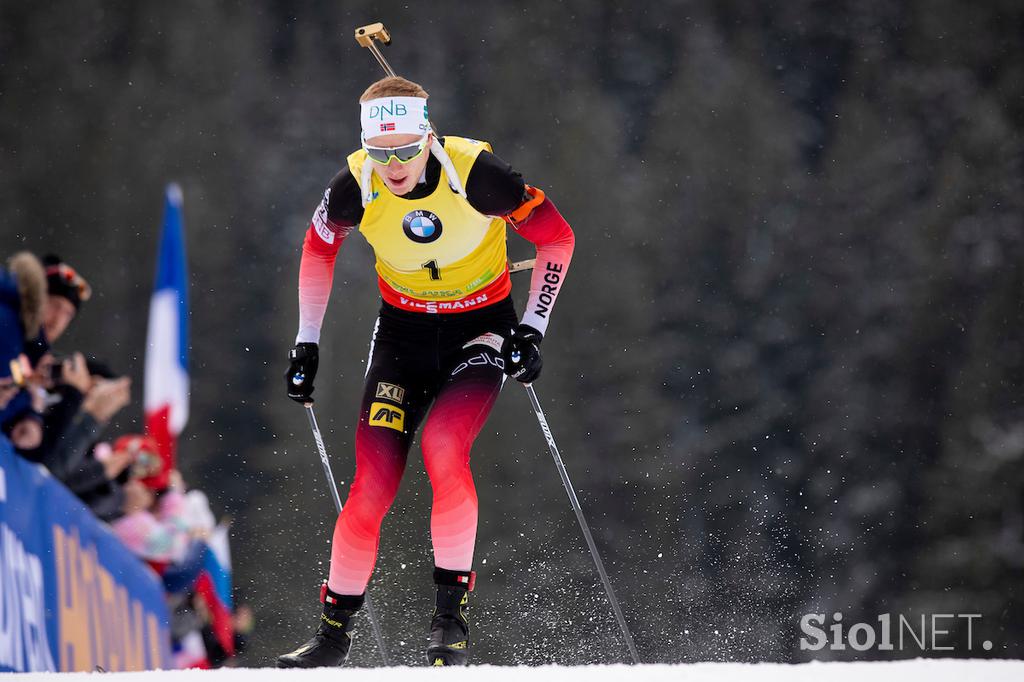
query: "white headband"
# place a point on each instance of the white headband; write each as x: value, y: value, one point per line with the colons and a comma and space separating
x: 394, y: 115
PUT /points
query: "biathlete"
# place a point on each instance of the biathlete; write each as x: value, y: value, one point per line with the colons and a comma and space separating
x: 434, y: 209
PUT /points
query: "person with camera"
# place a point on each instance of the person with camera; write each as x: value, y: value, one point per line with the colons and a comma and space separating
x: 65, y: 381
x: 83, y: 401
x: 41, y: 297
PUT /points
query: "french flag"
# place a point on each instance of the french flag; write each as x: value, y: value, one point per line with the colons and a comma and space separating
x: 166, y: 389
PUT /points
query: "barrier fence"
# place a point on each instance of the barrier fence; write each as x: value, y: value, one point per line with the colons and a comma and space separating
x: 71, y: 596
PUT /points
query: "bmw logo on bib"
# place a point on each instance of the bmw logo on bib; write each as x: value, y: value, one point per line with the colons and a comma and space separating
x: 422, y: 227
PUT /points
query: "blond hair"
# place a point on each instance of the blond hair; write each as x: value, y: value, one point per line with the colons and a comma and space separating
x: 393, y: 86
x: 32, y: 289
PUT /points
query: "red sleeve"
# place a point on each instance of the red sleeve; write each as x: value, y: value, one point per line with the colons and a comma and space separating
x: 545, y: 227
x: 316, y: 271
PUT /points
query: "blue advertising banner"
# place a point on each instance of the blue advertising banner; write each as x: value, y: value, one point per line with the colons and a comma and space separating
x: 71, y: 596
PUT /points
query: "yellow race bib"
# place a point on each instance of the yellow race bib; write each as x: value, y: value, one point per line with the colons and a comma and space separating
x: 437, y: 248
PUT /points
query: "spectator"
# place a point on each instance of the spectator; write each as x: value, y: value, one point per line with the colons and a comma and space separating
x: 22, y: 295
x: 98, y: 477
x: 66, y: 383
x: 81, y: 405
x: 243, y: 622
x: 66, y: 291
x: 103, y: 399
x: 154, y: 527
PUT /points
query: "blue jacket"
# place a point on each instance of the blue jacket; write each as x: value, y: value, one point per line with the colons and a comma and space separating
x: 12, y: 342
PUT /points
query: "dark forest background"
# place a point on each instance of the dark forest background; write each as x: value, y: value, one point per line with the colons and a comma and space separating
x: 786, y: 369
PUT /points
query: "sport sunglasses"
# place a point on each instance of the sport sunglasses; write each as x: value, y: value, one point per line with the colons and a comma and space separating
x: 403, y: 154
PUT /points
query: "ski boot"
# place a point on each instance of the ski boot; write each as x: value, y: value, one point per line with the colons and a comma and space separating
x: 330, y: 645
x: 449, y: 628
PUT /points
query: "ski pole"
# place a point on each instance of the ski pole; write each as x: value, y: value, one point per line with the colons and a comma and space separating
x: 583, y: 522
x: 374, y: 623
x: 365, y: 35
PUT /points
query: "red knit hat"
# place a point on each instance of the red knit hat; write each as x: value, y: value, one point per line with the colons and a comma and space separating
x: 147, y: 464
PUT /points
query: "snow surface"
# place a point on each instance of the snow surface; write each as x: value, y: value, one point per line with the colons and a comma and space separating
x: 929, y: 670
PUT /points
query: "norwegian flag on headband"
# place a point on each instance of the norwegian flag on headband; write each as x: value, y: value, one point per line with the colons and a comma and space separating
x: 385, y: 127
x: 167, y: 384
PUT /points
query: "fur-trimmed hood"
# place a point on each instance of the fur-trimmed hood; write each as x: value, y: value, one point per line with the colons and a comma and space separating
x: 31, y: 279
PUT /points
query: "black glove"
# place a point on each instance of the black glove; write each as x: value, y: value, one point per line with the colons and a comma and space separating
x: 303, y: 361
x: 521, y: 353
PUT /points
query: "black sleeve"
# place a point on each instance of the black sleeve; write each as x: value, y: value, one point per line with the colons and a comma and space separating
x: 344, y: 201
x: 494, y: 188
x: 57, y: 419
x: 72, y: 447
x: 86, y: 477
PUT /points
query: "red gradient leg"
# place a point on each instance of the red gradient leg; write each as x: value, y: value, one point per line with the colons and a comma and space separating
x: 461, y: 408
x: 380, y: 461
x: 385, y: 432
